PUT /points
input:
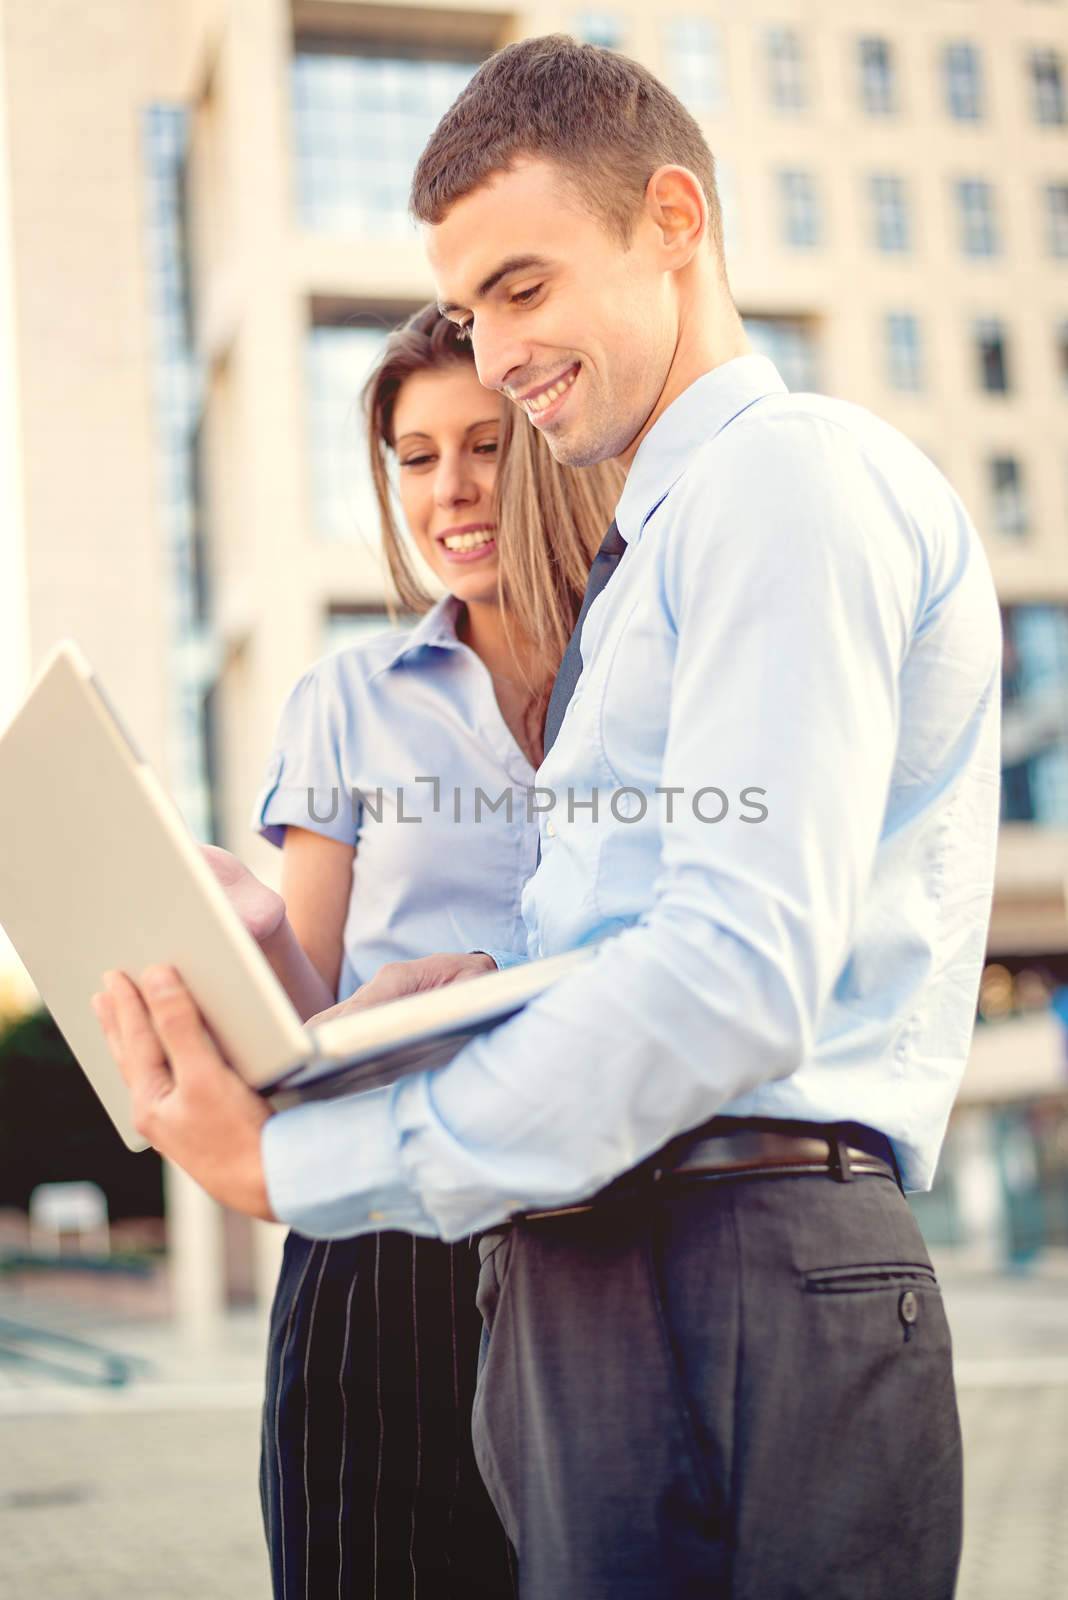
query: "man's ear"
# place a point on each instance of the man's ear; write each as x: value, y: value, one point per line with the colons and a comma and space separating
x: 676, y: 204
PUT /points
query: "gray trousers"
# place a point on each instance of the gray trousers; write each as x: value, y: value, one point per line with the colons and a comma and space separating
x: 733, y: 1388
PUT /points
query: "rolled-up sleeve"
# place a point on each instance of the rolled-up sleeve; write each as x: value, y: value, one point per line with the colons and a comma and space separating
x: 304, y: 781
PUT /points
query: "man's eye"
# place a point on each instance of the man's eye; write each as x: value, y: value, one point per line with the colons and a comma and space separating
x: 525, y: 295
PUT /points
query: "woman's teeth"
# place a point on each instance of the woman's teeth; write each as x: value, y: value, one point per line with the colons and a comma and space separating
x: 467, y: 541
x: 547, y: 396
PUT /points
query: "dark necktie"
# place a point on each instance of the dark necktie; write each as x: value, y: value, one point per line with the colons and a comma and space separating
x: 605, y: 563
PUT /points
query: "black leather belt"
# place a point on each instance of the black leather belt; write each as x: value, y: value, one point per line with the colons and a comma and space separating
x: 744, y: 1147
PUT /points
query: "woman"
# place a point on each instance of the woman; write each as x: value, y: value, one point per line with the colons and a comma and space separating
x: 368, y: 1481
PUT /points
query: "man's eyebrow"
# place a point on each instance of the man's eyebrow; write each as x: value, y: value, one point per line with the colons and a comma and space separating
x: 488, y: 284
x: 483, y: 422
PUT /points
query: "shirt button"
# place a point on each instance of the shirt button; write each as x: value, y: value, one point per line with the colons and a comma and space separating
x: 550, y: 830
x: 908, y: 1308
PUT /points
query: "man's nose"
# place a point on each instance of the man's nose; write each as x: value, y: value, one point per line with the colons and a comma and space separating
x: 498, y: 353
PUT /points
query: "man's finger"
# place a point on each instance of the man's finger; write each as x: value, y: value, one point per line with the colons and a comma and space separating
x: 174, y: 1014
x: 134, y: 1042
x: 104, y: 1012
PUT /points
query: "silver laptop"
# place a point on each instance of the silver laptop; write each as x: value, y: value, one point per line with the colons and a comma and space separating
x: 98, y: 871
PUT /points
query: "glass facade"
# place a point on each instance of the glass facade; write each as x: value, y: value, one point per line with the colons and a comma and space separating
x: 800, y: 211
x: 1009, y: 508
x: 904, y: 351
x: 1057, y: 219
x: 347, y: 625
x: 730, y: 213
x: 338, y: 359
x: 976, y: 217
x: 604, y: 28
x: 786, y: 69
x: 693, y: 63
x: 991, y: 349
x: 878, y: 77
x: 962, y: 72
x: 1034, y: 755
x: 890, y: 224
x: 1047, y: 88
x: 791, y: 343
x: 165, y: 133
x: 361, y: 121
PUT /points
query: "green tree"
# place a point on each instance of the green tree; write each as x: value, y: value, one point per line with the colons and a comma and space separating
x: 53, y: 1128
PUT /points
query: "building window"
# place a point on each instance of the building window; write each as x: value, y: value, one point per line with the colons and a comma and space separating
x: 1034, y: 735
x: 1008, y: 498
x: 786, y: 69
x: 891, y: 232
x: 604, y: 28
x: 346, y: 625
x: 963, y: 75
x: 338, y: 358
x: 991, y: 350
x: 878, y: 77
x: 1057, y: 219
x: 727, y: 190
x: 693, y: 61
x: 904, y: 351
x: 178, y: 403
x: 975, y: 211
x: 361, y: 122
x: 791, y: 343
x: 800, y: 209
x: 1047, y: 88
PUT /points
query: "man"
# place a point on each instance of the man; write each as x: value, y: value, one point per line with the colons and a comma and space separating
x: 776, y: 794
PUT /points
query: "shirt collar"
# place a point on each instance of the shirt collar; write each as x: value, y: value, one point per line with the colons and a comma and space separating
x: 436, y: 630
x: 696, y: 416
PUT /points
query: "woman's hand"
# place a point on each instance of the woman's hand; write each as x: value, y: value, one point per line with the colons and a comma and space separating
x: 260, y: 909
x: 398, y: 979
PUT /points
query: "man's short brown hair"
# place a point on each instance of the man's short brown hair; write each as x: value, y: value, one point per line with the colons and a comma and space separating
x: 603, y: 119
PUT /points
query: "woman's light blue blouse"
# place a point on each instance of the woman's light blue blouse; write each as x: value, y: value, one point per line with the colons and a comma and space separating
x: 397, y: 745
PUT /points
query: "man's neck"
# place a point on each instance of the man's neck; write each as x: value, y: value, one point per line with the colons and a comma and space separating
x: 710, y: 334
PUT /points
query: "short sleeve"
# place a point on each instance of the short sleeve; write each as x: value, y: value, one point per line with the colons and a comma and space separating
x: 304, y: 784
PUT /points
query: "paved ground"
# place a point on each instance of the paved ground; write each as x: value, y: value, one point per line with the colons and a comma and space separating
x: 150, y: 1491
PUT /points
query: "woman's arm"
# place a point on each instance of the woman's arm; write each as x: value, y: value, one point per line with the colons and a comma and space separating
x: 305, y: 951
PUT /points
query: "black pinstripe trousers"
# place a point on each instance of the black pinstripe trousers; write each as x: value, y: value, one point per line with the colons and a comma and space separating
x: 368, y: 1482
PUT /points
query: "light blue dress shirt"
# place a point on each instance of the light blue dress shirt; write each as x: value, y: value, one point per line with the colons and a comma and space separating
x: 436, y: 868
x: 805, y: 609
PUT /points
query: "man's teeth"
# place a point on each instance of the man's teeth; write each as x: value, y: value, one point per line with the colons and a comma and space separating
x: 547, y: 396
x: 468, y: 541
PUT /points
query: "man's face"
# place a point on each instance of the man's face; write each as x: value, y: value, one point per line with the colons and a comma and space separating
x: 564, y: 320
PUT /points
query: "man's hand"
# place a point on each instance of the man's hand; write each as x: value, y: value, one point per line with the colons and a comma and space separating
x: 397, y: 979
x: 187, y: 1100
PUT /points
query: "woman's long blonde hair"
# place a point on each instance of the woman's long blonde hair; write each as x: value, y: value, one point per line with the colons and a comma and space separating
x: 550, y: 519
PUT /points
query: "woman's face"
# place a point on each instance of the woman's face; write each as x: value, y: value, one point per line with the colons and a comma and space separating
x: 446, y: 428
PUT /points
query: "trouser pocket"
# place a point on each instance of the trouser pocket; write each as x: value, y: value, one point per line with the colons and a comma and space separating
x: 868, y: 1278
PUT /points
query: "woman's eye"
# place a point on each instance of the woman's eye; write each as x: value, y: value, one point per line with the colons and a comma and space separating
x: 416, y: 461
x: 487, y: 448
